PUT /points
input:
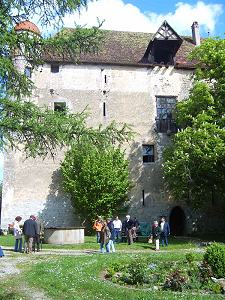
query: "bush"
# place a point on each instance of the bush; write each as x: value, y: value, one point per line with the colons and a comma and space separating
x: 138, y: 271
x: 215, y: 257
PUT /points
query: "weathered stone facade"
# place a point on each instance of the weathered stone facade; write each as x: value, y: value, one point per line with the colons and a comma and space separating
x: 128, y: 94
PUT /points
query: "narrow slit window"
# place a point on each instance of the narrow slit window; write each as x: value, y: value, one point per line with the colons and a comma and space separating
x: 143, y: 197
x: 105, y: 78
x: 104, y: 109
x: 54, y: 68
x: 148, y: 153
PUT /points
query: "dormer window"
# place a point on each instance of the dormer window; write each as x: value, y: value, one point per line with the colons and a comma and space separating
x: 163, y: 46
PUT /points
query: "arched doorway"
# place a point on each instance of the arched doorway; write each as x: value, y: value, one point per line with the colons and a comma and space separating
x: 177, y: 221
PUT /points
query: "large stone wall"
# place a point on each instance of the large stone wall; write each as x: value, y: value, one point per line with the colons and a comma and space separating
x: 32, y: 186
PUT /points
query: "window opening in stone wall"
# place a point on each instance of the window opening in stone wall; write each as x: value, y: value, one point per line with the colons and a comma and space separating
x: 148, y: 153
x: 54, y: 68
x: 104, y: 109
x: 143, y: 197
x: 165, y: 122
x: 105, y: 78
x: 28, y: 72
x: 60, y: 107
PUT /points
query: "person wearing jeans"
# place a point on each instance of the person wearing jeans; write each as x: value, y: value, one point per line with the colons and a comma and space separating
x: 104, y: 238
x: 117, y: 229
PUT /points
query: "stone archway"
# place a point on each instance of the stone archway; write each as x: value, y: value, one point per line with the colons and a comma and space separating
x: 177, y: 221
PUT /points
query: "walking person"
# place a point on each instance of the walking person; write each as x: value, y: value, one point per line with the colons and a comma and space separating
x: 104, y: 237
x: 165, y: 231
x: 29, y: 231
x: 110, y: 225
x: 155, y: 234
x: 17, y: 232
x: 117, y: 229
x: 98, y: 224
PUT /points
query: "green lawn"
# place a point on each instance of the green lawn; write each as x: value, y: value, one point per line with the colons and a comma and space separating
x: 90, y: 244
x: 81, y: 277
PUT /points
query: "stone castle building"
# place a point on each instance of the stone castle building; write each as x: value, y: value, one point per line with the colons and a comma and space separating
x: 136, y: 78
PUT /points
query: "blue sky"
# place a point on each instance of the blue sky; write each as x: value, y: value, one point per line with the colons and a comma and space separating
x: 148, y: 15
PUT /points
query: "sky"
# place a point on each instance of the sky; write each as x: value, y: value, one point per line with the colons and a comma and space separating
x: 148, y: 15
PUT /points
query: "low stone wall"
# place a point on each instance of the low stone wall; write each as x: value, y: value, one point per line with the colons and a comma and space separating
x: 60, y: 236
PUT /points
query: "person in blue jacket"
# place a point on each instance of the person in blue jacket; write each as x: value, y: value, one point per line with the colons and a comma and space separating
x: 165, y: 231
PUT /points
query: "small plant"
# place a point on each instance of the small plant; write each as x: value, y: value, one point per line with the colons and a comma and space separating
x: 215, y: 257
x: 176, y: 281
x: 190, y: 257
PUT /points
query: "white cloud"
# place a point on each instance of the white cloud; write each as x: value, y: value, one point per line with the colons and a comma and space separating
x: 127, y: 17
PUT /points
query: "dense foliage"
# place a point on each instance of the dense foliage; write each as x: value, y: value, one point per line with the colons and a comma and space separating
x: 194, y: 163
x: 96, y: 178
x: 215, y: 257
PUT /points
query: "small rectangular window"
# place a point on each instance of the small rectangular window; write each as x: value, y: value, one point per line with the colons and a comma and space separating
x: 105, y: 78
x: 54, y: 68
x: 60, y: 106
x: 28, y: 72
x: 148, y: 153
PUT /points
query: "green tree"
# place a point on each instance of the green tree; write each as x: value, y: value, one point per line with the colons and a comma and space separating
x: 96, y: 178
x: 21, y: 122
x: 194, y: 163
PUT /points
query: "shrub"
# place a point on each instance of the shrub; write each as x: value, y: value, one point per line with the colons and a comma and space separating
x: 176, y: 281
x: 137, y: 270
x: 215, y: 257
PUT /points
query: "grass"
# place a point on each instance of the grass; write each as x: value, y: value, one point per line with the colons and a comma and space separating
x: 90, y: 244
x: 80, y: 278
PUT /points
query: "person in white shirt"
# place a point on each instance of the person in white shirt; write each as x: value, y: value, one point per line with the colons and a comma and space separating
x: 17, y: 232
x: 117, y: 229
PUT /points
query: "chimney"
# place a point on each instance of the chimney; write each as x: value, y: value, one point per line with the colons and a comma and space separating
x: 195, y: 33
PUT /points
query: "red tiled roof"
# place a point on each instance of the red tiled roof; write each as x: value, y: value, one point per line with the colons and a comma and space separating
x: 126, y: 48
x: 28, y: 26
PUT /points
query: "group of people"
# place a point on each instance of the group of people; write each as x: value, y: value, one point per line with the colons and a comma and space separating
x: 109, y: 232
x: 32, y: 231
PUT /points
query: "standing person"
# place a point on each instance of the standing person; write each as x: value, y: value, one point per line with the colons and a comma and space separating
x: 17, y: 232
x: 110, y: 225
x: 30, y: 232
x: 155, y: 234
x: 129, y: 224
x: 135, y: 228
x: 104, y: 237
x: 117, y: 229
x: 165, y: 231
x: 40, y: 232
x: 98, y: 224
